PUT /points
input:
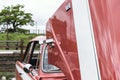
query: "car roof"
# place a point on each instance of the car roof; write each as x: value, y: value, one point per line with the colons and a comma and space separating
x: 39, y: 38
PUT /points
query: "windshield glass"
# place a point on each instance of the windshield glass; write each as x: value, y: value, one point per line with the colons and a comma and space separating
x: 48, y: 67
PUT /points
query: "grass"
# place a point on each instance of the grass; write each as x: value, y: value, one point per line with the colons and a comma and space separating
x: 17, y: 37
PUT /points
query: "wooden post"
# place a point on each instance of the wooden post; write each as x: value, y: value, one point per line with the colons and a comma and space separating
x: 7, y: 45
x: 16, y: 44
x: 21, y: 46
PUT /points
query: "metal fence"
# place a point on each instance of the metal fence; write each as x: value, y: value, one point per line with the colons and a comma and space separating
x: 38, y: 31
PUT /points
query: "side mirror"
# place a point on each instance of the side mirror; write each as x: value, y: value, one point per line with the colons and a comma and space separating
x: 28, y: 68
x: 46, y: 41
x: 49, y: 42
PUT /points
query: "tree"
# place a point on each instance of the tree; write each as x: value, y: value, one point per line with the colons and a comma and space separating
x: 15, y: 16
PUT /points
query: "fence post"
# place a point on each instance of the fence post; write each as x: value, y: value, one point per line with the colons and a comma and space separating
x: 21, y: 47
x: 16, y: 44
x: 7, y: 45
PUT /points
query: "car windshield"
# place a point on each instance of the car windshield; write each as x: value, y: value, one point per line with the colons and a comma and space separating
x: 48, y: 67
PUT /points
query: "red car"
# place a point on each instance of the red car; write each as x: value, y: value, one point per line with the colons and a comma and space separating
x: 82, y: 42
x: 35, y: 64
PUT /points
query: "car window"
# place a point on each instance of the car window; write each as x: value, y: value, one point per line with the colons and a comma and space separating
x: 28, y: 52
x: 32, y: 54
x: 46, y: 66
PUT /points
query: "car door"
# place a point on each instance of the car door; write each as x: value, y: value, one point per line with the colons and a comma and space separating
x: 30, y: 61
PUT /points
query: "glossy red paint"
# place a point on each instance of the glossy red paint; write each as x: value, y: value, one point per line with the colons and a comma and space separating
x: 61, y: 28
x: 106, y: 23
x: 51, y: 76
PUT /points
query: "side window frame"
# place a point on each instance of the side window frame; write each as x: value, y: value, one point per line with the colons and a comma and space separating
x: 30, y: 56
x: 28, y: 52
x: 35, y: 56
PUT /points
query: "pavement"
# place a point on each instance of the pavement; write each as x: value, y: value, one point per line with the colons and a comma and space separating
x: 9, y: 51
x: 14, y: 51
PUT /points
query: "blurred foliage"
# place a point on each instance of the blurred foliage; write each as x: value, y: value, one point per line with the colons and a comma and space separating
x: 19, y: 30
x: 7, y: 74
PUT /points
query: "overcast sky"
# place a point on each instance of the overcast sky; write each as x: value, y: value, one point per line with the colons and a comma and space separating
x: 41, y: 9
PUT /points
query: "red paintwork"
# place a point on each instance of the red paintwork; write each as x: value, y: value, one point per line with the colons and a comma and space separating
x: 17, y: 75
x: 51, y: 76
x: 61, y: 28
x: 22, y: 66
x: 106, y: 23
x: 105, y: 16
